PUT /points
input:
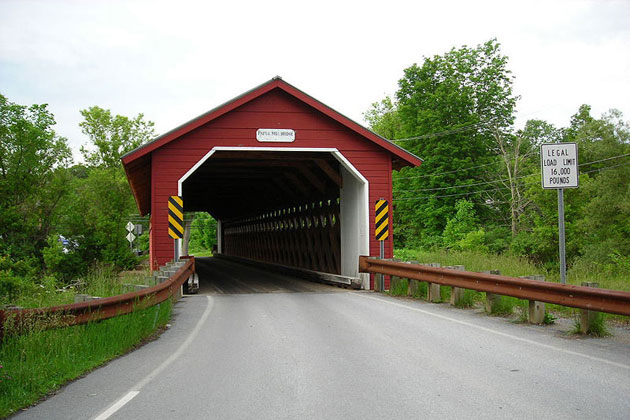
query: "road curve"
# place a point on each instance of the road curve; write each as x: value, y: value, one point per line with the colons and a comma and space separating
x: 336, y: 354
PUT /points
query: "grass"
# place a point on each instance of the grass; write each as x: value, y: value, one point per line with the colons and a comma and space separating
x: 37, y: 362
x: 101, y: 281
x: 596, y: 325
x: 467, y: 299
x: 398, y: 286
x: 34, y: 364
x: 515, y: 267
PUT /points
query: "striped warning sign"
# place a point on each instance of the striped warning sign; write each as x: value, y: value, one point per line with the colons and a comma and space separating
x: 381, y: 221
x: 175, y: 217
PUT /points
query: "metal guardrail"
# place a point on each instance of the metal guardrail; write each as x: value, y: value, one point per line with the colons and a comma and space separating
x: 602, y: 300
x: 18, y: 320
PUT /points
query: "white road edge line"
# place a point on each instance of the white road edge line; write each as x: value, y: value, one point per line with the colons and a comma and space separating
x: 117, y: 405
x: 513, y: 337
x: 135, y: 390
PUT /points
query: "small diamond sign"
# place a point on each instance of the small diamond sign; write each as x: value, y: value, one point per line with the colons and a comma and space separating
x: 131, y: 237
x: 130, y: 227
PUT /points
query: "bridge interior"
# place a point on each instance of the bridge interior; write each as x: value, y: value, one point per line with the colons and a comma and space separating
x: 219, y: 276
x: 280, y: 207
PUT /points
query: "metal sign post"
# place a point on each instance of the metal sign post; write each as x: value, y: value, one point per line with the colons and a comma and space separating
x: 559, y: 164
x: 176, y: 221
x: 561, y: 240
x: 381, y: 232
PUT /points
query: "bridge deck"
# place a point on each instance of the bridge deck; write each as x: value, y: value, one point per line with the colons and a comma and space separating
x: 218, y: 276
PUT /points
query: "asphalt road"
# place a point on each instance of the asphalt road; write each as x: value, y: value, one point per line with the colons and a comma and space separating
x: 309, y: 351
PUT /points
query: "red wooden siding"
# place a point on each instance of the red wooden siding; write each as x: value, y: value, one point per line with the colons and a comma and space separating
x: 238, y: 128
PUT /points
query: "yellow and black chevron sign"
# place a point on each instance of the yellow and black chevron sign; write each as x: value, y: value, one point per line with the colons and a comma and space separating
x: 381, y: 221
x: 175, y: 217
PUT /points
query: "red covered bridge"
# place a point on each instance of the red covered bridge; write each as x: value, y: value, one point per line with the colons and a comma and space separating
x: 288, y: 179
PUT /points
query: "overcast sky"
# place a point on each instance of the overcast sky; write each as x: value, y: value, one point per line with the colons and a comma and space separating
x: 173, y: 60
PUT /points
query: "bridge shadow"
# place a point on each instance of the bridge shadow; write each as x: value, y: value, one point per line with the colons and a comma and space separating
x: 218, y: 276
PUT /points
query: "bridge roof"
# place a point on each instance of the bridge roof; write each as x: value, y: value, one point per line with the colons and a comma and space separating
x: 137, y: 163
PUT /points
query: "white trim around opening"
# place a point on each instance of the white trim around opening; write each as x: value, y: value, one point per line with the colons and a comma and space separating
x: 355, y: 236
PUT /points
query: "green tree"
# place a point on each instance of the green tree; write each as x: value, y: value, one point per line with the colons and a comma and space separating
x: 100, y: 203
x: 32, y: 177
x: 203, y: 232
x: 383, y: 118
x: 596, y: 219
x: 450, y: 107
x: 462, y: 231
x: 519, y: 154
x: 112, y: 136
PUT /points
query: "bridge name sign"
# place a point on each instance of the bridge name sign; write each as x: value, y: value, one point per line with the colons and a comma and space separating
x: 280, y: 135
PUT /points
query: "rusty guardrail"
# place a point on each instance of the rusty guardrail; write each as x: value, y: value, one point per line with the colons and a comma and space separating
x: 108, y: 307
x: 602, y: 300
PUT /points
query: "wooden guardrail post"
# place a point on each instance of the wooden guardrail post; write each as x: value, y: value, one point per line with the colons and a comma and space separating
x: 492, y: 300
x: 586, y: 316
x: 433, y: 289
x: 412, y: 285
x: 536, y: 312
x: 457, y: 293
x: 393, y: 280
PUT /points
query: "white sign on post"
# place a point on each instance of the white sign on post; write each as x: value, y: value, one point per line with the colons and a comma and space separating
x: 559, y: 163
x: 131, y: 237
x: 130, y: 226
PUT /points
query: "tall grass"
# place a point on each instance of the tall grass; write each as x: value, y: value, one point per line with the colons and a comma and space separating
x: 517, y: 266
x: 34, y: 364
x: 101, y: 280
x: 39, y: 361
x: 606, y: 277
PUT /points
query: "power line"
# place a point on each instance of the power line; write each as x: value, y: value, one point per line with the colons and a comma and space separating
x: 604, y: 168
x: 464, y: 186
x: 444, y: 173
x: 449, y: 195
x: 442, y: 133
x: 490, y: 164
x: 507, y: 179
x: 499, y: 188
x: 603, y: 160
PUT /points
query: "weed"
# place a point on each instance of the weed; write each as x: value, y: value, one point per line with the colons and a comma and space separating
x: 39, y: 361
x: 419, y: 290
x: 502, y: 305
x: 549, y: 319
x: 596, y: 324
x: 398, y: 286
x: 467, y: 299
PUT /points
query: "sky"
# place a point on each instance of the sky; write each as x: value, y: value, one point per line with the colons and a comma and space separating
x: 174, y: 60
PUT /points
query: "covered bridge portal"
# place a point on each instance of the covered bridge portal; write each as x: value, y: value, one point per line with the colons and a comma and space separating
x: 289, y: 180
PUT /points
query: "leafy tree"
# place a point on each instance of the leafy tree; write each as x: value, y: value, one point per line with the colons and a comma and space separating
x: 595, y: 213
x: 383, y: 118
x: 32, y: 158
x: 203, y: 232
x: 462, y: 231
x: 95, y: 214
x: 519, y: 154
x: 112, y: 135
x: 449, y: 108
